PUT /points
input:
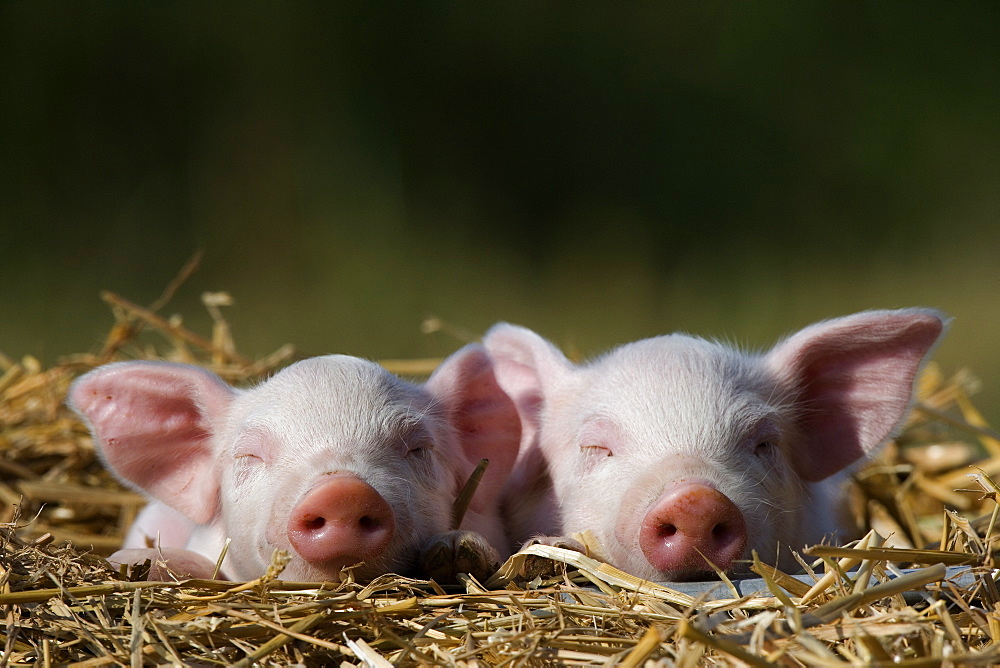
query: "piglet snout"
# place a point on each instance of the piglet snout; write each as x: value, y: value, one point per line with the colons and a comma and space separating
x: 689, y: 519
x: 342, y: 520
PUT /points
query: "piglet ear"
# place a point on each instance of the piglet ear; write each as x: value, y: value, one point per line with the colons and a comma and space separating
x: 852, y: 379
x: 153, y: 423
x: 526, y: 367
x: 483, y: 416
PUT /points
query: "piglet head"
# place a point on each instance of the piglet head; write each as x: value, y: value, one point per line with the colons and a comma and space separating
x: 354, y: 465
x: 333, y: 460
x: 676, y: 452
x: 330, y: 460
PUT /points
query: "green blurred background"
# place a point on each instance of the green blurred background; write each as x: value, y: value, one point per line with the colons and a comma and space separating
x: 600, y: 172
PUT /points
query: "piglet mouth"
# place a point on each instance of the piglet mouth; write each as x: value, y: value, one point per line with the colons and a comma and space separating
x: 342, y: 568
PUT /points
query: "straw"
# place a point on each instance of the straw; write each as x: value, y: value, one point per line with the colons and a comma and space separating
x: 62, y: 604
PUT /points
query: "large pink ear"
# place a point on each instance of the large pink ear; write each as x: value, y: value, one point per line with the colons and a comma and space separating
x: 153, y: 423
x: 853, y: 381
x: 525, y: 366
x: 483, y: 416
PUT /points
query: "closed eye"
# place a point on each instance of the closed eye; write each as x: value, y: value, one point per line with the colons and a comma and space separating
x: 248, y: 466
x: 419, y: 448
x: 596, y: 450
x: 764, y: 438
x: 255, y: 445
x: 417, y: 440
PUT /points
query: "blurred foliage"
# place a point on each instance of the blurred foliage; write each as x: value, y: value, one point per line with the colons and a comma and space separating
x: 597, y: 171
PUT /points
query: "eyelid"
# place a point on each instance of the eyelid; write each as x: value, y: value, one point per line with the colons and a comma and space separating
x: 419, y: 445
x: 255, y: 440
x: 765, y: 430
x: 595, y: 446
x: 418, y: 438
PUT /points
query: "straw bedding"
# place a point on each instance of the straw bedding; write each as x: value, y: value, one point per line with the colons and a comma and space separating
x: 917, y: 590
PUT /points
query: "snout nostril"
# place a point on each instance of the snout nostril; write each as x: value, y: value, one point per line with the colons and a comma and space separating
x: 314, y: 523
x: 666, y: 530
x: 341, y: 520
x: 370, y: 523
x: 689, y: 523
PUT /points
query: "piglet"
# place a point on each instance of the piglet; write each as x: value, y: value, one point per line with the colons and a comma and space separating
x: 333, y: 460
x: 675, y: 451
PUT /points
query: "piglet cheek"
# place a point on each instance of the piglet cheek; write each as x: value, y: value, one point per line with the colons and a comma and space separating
x: 272, y: 534
x: 635, y: 503
x: 275, y: 529
x: 627, y: 533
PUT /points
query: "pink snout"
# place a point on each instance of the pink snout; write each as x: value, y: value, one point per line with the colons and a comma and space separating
x: 689, y: 519
x: 341, y: 521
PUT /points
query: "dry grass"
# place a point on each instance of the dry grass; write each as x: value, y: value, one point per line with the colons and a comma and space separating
x: 64, y: 605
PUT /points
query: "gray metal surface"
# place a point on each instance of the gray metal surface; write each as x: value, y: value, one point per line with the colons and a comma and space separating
x: 961, y: 576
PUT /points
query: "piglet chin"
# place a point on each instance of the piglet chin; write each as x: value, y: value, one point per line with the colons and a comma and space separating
x: 341, y: 568
x: 632, y: 562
